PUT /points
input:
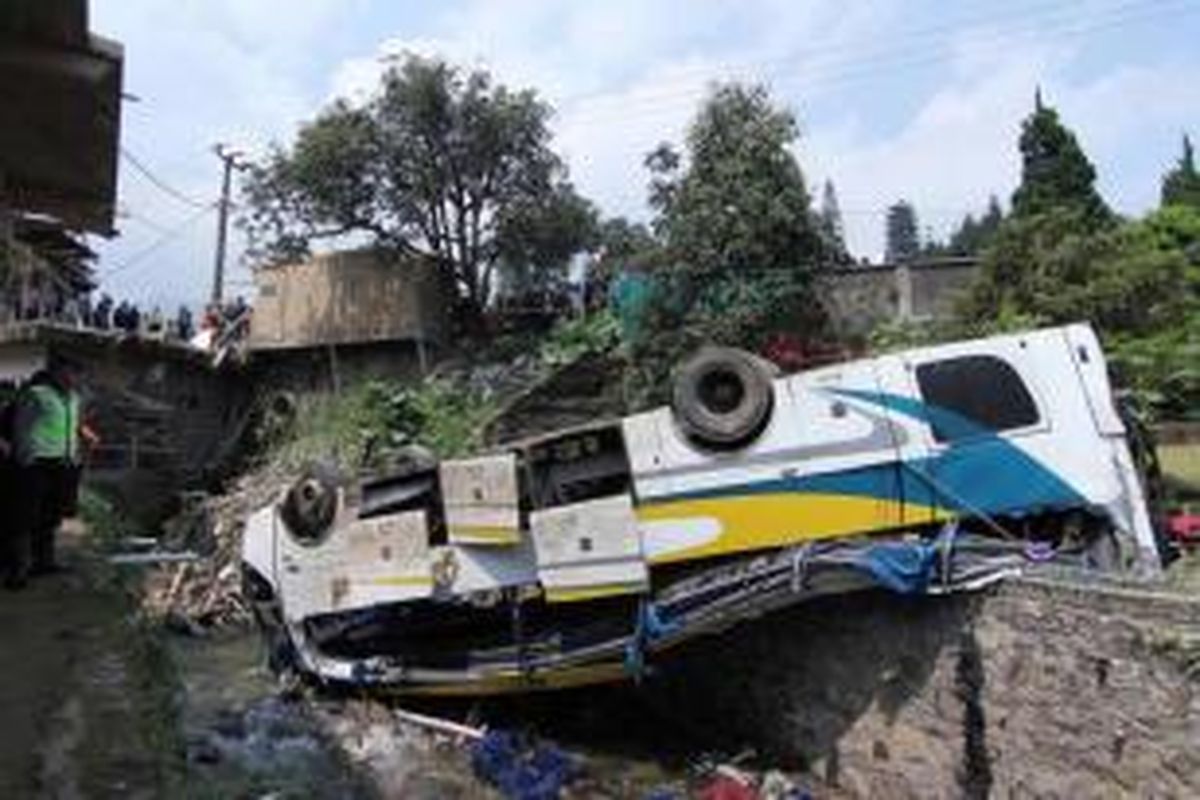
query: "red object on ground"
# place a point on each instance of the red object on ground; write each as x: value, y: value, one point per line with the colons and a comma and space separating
x: 1185, y: 528
x: 723, y: 787
x: 792, y: 354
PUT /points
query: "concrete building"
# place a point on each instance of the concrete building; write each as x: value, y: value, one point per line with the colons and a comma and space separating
x: 343, y: 315
x: 60, y: 88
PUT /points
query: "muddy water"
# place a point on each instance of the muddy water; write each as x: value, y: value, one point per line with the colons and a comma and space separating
x: 244, y: 739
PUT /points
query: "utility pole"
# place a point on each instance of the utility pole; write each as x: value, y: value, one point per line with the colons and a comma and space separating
x: 229, y: 158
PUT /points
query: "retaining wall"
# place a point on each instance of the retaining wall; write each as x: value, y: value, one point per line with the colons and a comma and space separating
x: 1029, y: 690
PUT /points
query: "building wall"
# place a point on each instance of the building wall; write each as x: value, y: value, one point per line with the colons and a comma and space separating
x: 935, y: 289
x: 304, y: 370
x: 352, y: 297
x: 19, y: 361
x: 860, y: 298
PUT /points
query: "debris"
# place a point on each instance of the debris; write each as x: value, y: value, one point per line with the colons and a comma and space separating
x: 153, y: 557
x: 777, y: 786
x: 724, y: 786
x: 520, y: 771
x: 207, y: 588
x: 439, y: 725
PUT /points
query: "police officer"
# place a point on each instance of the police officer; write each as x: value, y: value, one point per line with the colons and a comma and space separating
x: 46, y: 430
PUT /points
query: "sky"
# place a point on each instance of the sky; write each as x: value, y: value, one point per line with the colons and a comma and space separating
x: 895, y: 99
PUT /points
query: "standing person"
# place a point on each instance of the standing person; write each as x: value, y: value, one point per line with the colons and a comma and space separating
x: 184, y: 327
x: 46, y: 432
x: 103, y: 316
x: 8, y: 480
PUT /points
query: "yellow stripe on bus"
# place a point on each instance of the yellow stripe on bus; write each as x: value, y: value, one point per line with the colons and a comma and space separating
x: 403, y: 580
x: 761, y: 521
x: 575, y: 594
x: 483, y: 534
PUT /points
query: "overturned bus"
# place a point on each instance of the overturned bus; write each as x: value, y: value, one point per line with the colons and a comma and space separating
x: 578, y: 556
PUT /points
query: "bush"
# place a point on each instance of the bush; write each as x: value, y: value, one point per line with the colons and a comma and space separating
x: 357, y: 428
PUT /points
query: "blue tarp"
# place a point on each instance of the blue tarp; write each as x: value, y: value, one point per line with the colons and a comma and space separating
x: 907, y: 567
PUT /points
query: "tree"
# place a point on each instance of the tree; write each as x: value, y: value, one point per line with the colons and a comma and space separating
x: 1181, y: 186
x: 622, y: 241
x: 1054, y: 170
x: 832, y: 229
x: 621, y: 245
x: 440, y: 164
x: 742, y: 202
x: 537, y: 237
x: 903, y: 239
x: 1138, y: 283
x: 972, y: 235
x: 740, y: 245
x: 737, y: 222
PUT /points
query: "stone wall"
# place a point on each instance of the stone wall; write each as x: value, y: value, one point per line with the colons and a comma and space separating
x: 859, y: 298
x: 1029, y: 690
x: 1032, y: 689
x: 165, y: 415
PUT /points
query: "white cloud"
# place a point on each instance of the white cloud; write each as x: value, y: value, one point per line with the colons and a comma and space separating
x: 895, y: 100
x: 961, y: 146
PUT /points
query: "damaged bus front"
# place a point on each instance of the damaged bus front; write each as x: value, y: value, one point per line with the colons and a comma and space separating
x: 577, y: 556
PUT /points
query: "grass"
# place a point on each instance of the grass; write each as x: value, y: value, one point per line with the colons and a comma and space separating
x: 1181, y: 466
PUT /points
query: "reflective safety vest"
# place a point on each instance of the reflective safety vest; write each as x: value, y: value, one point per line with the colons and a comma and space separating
x: 52, y: 430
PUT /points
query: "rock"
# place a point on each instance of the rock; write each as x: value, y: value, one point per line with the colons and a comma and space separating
x: 204, y: 751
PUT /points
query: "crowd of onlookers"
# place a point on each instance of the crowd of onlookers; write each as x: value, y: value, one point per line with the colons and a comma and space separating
x: 230, y: 321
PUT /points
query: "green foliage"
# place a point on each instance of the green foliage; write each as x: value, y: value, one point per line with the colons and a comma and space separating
x: 1132, y: 279
x: 740, y: 244
x: 1162, y: 368
x: 1181, y: 186
x: 972, y: 235
x: 683, y: 311
x: 1055, y: 173
x: 832, y: 228
x: 621, y: 245
x: 1138, y: 283
x: 357, y: 427
x: 904, y: 335
x: 539, y: 235
x: 903, y: 237
x: 574, y: 338
x: 445, y: 418
x: 741, y: 203
x: 439, y: 163
x: 105, y: 523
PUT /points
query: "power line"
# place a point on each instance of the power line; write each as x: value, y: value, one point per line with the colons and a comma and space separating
x: 168, y: 237
x: 162, y: 185
x: 909, y: 36
x: 126, y: 213
x: 912, y: 54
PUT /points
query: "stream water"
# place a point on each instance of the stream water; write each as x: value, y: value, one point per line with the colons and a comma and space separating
x: 244, y: 739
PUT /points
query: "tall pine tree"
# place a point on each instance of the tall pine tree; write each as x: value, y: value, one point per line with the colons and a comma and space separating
x: 975, y: 234
x: 903, y: 238
x: 830, y: 220
x: 1055, y: 173
x: 1181, y: 186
